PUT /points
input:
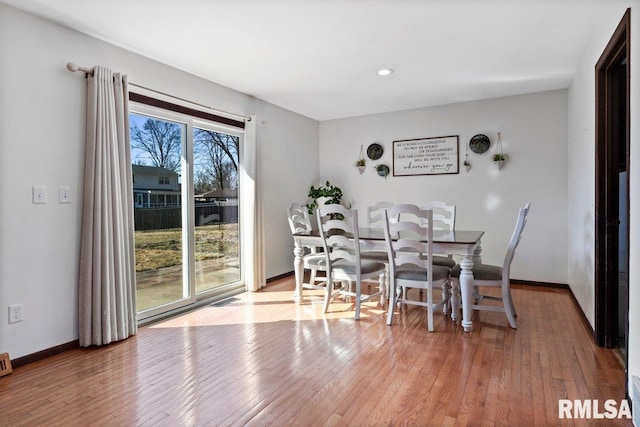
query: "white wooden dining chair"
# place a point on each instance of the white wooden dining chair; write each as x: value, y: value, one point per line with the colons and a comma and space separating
x: 410, y: 250
x: 313, y: 259
x: 485, y: 275
x: 375, y: 218
x: 339, y: 230
x: 444, y: 218
x: 444, y: 215
x: 375, y: 214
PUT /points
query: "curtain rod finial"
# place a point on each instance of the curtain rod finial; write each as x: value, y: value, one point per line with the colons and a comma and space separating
x: 71, y: 66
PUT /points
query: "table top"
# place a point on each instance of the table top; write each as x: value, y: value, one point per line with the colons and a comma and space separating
x: 439, y: 236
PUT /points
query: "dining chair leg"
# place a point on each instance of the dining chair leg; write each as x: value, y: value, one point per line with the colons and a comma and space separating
x: 512, y: 305
x: 402, y: 294
x: 392, y: 304
x: 430, y: 309
x: 327, y: 294
x: 349, y: 289
x: 358, y: 298
x: 455, y: 298
x: 382, y: 283
x: 445, y: 298
x: 477, y: 298
x: 508, y: 307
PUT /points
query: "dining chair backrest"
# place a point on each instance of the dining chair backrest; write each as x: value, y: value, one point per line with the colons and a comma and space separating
x: 375, y: 213
x: 444, y: 215
x: 338, y: 227
x: 299, y: 220
x: 409, y: 240
x: 409, y: 243
x: 515, y: 240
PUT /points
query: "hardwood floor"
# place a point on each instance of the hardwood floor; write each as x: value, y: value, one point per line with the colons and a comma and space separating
x: 261, y: 359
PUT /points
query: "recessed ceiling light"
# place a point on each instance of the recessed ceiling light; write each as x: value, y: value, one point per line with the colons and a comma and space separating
x: 385, y: 72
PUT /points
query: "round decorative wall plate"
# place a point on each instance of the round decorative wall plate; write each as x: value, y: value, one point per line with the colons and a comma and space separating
x: 374, y: 151
x: 479, y: 143
x: 383, y: 170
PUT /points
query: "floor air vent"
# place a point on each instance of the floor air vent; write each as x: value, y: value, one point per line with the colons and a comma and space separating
x: 5, y: 365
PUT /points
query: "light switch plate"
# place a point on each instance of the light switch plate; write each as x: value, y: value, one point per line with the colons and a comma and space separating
x: 65, y: 194
x: 39, y: 194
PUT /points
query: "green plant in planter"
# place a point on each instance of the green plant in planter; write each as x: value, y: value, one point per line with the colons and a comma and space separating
x: 499, y: 156
x: 360, y: 162
x: 331, y: 192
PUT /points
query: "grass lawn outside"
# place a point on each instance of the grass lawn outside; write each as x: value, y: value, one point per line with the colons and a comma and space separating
x: 159, y: 262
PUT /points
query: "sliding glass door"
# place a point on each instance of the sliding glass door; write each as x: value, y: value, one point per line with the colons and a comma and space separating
x: 217, y: 230
x: 186, y: 192
x: 157, y: 147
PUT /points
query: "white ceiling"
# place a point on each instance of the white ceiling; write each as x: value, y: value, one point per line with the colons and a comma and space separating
x: 319, y: 57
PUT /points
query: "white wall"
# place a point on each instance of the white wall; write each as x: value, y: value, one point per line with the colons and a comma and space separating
x: 41, y: 143
x: 534, y: 133
x: 289, y: 163
x: 582, y: 175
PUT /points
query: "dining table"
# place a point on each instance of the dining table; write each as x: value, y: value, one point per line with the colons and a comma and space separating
x: 463, y: 243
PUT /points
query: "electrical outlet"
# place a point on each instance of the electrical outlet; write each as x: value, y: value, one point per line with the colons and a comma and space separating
x: 15, y: 313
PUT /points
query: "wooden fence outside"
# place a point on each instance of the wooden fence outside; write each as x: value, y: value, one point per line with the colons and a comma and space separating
x: 171, y: 216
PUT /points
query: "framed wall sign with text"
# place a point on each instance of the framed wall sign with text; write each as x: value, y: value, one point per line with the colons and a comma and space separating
x: 426, y: 156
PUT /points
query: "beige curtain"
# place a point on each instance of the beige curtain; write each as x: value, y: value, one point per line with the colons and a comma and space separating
x: 253, y: 238
x: 107, y: 305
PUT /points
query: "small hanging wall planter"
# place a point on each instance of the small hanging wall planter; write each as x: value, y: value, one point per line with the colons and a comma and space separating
x: 361, y: 162
x: 467, y: 163
x: 499, y: 157
x: 498, y: 160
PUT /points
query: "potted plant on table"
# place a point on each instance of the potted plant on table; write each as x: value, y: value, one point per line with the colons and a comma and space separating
x: 326, y: 194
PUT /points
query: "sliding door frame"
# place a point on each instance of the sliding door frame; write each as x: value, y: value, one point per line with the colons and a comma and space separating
x: 206, y: 121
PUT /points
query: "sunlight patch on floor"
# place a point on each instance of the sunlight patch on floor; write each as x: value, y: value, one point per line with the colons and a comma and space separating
x: 266, y: 307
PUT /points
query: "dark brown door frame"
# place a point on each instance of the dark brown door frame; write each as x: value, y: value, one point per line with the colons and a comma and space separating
x: 608, y: 114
